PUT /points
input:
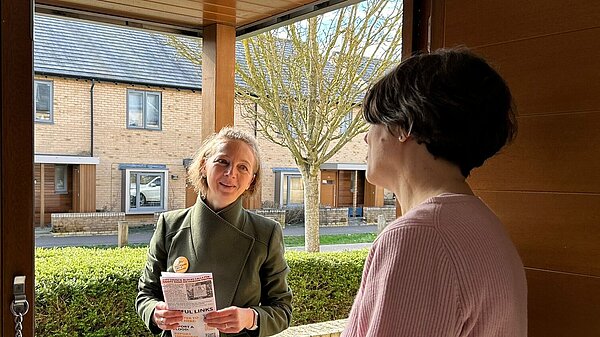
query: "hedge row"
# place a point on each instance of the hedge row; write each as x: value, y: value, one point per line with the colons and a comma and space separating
x: 91, y: 291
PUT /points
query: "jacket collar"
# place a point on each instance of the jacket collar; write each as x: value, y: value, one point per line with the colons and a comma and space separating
x: 214, y: 236
x: 233, y: 214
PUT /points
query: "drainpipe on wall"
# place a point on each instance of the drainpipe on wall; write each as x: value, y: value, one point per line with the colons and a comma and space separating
x: 92, y: 118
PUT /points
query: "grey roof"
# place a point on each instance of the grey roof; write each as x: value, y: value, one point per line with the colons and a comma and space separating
x: 84, y: 49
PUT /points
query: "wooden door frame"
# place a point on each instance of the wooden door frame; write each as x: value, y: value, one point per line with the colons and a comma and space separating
x: 16, y: 158
x: 416, y: 36
x: 76, y: 194
x: 415, y: 27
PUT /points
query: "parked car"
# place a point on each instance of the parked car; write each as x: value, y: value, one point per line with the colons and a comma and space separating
x: 150, y: 193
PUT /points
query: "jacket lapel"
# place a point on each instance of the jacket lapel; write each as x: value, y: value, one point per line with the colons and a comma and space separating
x: 221, y: 247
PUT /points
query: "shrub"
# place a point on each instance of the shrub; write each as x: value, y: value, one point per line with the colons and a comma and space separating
x: 91, y: 291
x: 88, y: 292
x: 294, y: 215
x: 324, y: 284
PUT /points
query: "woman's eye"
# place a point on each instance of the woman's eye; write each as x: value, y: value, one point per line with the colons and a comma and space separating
x: 221, y: 161
x: 244, y: 168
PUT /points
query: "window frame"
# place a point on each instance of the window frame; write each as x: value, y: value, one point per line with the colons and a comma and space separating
x: 65, y: 176
x: 145, y: 94
x: 126, y: 195
x: 50, y: 101
x: 285, y: 192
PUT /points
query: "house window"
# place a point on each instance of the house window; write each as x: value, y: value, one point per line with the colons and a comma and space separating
x: 145, y: 191
x: 144, y: 110
x: 345, y: 124
x: 60, y: 179
x: 43, y: 101
x: 293, y: 191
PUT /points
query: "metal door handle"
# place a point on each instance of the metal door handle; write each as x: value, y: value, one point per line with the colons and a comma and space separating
x: 19, y: 306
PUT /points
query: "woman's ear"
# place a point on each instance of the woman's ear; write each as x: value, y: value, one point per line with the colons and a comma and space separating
x: 203, y: 168
x: 251, y: 185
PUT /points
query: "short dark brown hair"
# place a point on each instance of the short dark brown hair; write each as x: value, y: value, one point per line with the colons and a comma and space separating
x: 452, y: 100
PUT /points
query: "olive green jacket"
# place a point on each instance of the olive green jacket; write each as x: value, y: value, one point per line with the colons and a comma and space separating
x: 244, y: 251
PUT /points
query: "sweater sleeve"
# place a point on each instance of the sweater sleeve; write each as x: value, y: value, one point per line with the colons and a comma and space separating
x: 409, y: 287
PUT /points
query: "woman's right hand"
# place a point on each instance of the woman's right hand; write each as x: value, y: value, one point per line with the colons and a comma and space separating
x: 166, y: 319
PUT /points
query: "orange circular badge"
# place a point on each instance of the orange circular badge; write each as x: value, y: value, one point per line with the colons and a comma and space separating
x: 181, y: 264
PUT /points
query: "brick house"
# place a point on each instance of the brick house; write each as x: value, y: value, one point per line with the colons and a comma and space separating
x: 117, y: 121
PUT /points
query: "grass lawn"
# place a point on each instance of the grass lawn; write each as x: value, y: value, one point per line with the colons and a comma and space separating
x: 295, y: 241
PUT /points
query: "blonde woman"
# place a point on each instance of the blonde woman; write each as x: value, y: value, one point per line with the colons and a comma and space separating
x: 244, y: 251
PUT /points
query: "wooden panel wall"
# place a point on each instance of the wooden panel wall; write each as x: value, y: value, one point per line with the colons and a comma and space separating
x: 248, y: 201
x: 344, y: 189
x: 373, y: 195
x: 54, y: 203
x: 360, y: 187
x: 190, y: 195
x: 87, y: 188
x: 546, y: 186
x: 345, y: 194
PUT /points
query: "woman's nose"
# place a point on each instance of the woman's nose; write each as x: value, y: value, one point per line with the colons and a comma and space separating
x: 229, y: 171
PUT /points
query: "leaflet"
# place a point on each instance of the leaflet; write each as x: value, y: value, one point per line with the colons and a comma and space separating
x: 193, y: 294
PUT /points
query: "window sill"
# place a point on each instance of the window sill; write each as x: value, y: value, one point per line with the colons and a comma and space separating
x: 145, y: 211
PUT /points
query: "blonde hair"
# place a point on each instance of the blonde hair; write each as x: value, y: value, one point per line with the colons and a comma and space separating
x: 208, y: 148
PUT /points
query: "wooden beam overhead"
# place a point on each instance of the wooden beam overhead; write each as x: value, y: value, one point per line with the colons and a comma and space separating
x: 190, y: 17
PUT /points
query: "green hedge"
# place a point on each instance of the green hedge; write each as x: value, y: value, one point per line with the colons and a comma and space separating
x: 324, y: 284
x: 91, y: 292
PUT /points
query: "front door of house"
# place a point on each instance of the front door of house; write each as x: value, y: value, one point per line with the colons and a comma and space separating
x: 328, y: 188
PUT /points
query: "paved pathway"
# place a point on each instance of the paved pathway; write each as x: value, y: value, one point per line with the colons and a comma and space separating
x: 141, y: 236
x: 334, y: 248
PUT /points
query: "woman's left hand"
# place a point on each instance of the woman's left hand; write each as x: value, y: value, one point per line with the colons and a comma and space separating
x: 231, y: 319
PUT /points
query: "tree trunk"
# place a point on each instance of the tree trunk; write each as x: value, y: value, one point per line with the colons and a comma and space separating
x: 311, y: 210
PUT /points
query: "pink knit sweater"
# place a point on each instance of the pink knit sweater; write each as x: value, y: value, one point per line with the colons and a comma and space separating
x: 446, y: 268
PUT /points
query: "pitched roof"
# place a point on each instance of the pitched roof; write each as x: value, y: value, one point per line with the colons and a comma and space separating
x: 85, y: 49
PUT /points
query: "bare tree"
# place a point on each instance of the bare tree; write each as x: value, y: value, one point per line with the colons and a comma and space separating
x: 308, y: 79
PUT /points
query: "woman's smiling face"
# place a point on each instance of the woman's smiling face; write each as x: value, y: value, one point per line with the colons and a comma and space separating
x: 229, y: 173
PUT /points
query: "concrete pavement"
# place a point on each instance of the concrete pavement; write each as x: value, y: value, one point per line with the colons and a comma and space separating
x: 334, y: 248
x: 141, y: 236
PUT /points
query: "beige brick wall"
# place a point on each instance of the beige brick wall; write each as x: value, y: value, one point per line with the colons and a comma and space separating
x: 70, y: 132
x: 86, y: 222
x: 114, y: 144
x: 371, y: 214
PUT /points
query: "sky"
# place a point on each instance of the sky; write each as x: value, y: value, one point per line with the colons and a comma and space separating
x: 330, y: 18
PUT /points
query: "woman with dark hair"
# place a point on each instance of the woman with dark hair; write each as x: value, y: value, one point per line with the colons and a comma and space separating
x: 446, y: 267
x: 244, y: 251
